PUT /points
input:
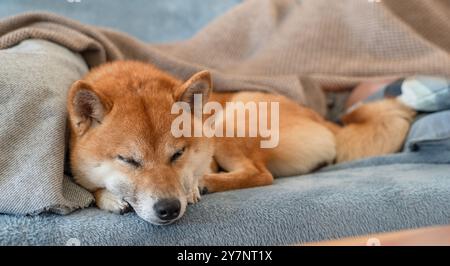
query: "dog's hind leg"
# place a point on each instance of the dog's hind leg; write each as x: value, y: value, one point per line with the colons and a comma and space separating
x: 245, y: 177
x: 373, y: 129
x: 241, y: 171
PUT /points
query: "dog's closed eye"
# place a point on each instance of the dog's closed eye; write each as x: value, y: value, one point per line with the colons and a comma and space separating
x: 177, y: 155
x: 129, y: 160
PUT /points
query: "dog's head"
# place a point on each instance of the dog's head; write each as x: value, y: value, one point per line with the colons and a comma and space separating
x: 120, y: 119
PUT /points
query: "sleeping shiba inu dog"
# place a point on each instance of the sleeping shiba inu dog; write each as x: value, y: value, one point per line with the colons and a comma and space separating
x: 122, y: 148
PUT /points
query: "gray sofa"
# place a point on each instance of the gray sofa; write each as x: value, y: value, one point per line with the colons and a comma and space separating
x: 406, y: 190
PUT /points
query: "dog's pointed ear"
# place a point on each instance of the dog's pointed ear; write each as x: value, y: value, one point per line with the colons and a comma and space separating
x: 199, y: 84
x: 86, y: 107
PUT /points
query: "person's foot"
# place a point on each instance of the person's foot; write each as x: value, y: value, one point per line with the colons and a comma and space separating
x: 365, y: 89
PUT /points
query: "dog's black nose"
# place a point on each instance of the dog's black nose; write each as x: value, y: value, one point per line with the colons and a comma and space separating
x: 167, y: 209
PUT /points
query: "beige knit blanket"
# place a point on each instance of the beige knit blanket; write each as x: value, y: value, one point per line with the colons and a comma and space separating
x: 292, y: 47
x: 296, y: 48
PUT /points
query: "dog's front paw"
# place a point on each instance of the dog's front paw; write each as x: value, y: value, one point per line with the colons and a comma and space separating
x: 194, y: 196
x: 106, y: 200
x: 203, y: 185
x: 203, y: 190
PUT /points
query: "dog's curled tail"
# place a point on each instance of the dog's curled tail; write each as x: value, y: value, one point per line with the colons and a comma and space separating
x: 373, y: 129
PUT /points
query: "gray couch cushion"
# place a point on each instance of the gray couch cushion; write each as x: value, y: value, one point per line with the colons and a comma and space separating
x: 313, y: 207
x: 431, y: 131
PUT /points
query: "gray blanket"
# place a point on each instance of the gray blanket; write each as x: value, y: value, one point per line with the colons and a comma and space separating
x: 291, y: 47
x: 341, y: 203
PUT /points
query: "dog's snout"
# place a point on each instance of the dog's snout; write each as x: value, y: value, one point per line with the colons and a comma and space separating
x: 167, y: 209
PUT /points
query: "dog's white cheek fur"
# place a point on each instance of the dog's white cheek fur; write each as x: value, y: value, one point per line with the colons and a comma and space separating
x: 113, y: 184
x: 84, y: 172
x: 104, y: 175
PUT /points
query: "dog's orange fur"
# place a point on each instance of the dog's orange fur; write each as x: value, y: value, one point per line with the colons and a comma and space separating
x: 123, y: 108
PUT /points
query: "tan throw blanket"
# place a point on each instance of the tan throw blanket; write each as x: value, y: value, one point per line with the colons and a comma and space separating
x: 286, y: 46
x: 276, y: 45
